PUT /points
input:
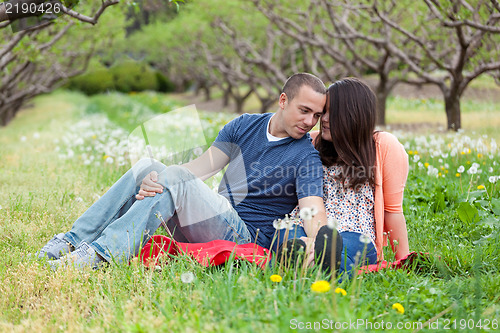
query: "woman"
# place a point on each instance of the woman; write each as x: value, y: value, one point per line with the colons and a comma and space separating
x: 365, y: 173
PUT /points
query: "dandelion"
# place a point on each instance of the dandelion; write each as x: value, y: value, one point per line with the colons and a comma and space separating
x: 23, y: 138
x: 78, y: 199
x: 286, y: 223
x: 476, y: 165
x: 332, y: 223
x: 321, y: 286
x: 340, y: 291
x: 480, y: 187
x: 461, y: 169
x: 109, y: 160
x: 197, y: 151
x: 364, y: 239
x: 493, y: 179
x: 276, y: 278
x: 426, y: 164
x: 1, y: 207
x: 306, y: 214
x: 457, y: 174
x: 36, y: 135
x: 187, y: 277
x: 472, y: 170
x: 398, y: 307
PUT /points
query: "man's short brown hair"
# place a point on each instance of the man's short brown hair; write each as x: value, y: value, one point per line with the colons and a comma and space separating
x: 296, y: 81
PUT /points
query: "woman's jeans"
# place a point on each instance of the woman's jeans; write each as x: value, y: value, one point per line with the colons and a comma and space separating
x: 355, y: 253
x: 118, y: 225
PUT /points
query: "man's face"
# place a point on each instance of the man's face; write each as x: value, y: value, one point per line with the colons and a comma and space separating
x: 302, y: 112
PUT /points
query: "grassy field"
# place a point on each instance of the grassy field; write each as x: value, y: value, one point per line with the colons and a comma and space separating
x: 60, y: 155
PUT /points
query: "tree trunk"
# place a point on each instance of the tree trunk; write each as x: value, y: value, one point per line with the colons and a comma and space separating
x: 265, y: 104
x: 206, y: 90
x: 239, y: 104
x: 225, y: 97
x: 383, y: 91
x: 452, y: 107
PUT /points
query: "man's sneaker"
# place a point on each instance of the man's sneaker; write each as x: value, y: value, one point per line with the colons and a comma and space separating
x: 291, y: 251
x: 83, y: 256
x: 55, y: 248
x: 323, y: 248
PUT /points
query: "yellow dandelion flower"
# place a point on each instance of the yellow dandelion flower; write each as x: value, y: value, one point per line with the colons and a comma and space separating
x: 340, y: 291
x: 463, y: 153
x: 426, y: 164
x: 321, y: 286
x: 105, y: 157
x: 440, y: 174
x: 415, y: 152
x: 479, y: 155
x: 468, y: 162
x: 94, y: 136
x: 445, y: 170
x: 410, y: 152
x: 276, y: 278
x: 398, y: 307
x: 457, y: 174
x: 480, y: 187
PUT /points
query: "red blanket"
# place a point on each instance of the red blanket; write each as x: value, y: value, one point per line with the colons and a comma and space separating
x: 207, y: 254
x: 219, y: 251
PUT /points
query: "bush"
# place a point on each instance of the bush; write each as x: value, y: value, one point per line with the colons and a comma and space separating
x: 125, y: 76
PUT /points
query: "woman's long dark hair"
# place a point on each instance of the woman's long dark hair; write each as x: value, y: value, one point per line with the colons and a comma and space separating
x: 352, y: 109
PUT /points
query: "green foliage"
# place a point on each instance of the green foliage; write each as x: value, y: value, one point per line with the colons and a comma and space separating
x: 460, y: 281
x: 124, y: 76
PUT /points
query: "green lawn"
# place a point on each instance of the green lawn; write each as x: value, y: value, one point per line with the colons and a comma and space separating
x: 59, y: 156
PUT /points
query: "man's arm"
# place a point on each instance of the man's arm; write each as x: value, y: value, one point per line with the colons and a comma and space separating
x: 203, y: 167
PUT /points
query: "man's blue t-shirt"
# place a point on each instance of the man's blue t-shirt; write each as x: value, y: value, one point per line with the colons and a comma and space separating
x: 265, y: 179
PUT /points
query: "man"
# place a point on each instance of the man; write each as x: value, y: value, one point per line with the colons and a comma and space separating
x: 271, y: 166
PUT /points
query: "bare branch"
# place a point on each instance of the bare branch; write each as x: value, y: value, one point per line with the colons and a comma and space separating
x: 87, y: 19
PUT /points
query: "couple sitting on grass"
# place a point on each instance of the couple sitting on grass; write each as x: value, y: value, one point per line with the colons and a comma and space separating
x: 350, y: 174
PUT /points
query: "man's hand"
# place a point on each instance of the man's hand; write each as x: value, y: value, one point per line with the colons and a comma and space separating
x: 149, y: 187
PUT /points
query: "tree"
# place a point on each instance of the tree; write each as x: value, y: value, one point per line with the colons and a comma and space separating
x: 30, y: 62
x: 341, y: 34
x: 449, y: 44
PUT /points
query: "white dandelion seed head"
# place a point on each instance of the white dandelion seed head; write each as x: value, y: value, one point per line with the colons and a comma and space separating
x: 23, y: 139
x: 314, y: 210
x: 36, y: 135
x: 187, y: 277
x: 332, y: 223
x: 364, y: 239
x: 197, y: 151
x: 493, y: 179
x: 109, y: 160
x: 472, y: 170
x: 278, y: 224
x: 476, y: 165
x: 78, y: 199
x: 461, y: 169
x: 306, y: 214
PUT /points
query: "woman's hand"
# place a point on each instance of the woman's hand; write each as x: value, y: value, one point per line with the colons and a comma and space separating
x: 149, y: 187
x: 309, y: 253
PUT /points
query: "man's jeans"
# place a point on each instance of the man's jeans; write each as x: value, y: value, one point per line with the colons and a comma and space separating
x: 118, y: 225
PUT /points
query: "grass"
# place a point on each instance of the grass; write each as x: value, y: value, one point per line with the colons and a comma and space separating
x: 44, y: 188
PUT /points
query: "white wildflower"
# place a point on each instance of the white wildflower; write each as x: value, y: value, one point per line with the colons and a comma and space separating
x: 306, y: 214
x: 472, y: 170
x: 461, y: 169
x: 476, y: 165
x: 109, y: 160
x: 78, y: 199
x: 493, y: 179
x: 197, y: 151
x: 332, y: 223
x: 416, y: 158
x: 23, y: 138
x: 364, y: 239
x: 490, y: 170
x: 187, y: 277
x: 36, y: 135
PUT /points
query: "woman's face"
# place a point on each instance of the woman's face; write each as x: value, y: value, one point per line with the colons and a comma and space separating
x: 325, y: 126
